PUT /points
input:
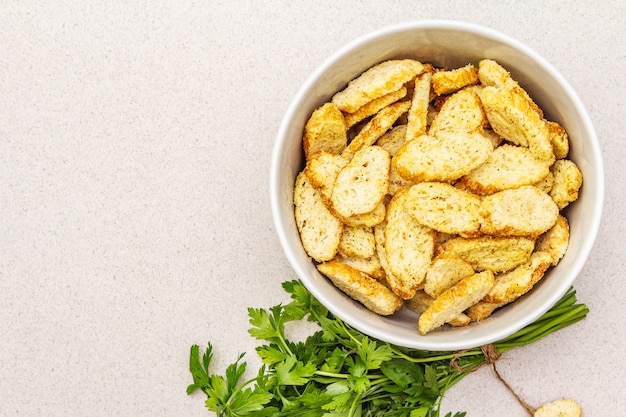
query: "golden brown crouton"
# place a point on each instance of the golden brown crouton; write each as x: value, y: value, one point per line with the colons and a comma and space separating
x: 374, y: 107
x: 524, y: 211
x: 461, y: 112
x: 559, y: 139
x: 565, y: 407
x: 377, y: 81
x: 455, y: 300
x: 409, y: 247
x: 497, y: 254
x: 357, y: 241
x: 446, y: 82
x: 418, y: 113
x: 325, y: 131
x: 567, y: 181
x: 320, y: 231
x: 446, y: 269
x: 420, y: 303
x: 555, y: 241
x: 361, y: 287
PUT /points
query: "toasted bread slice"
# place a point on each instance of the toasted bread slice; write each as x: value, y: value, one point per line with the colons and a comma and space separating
x: 370, y: 266
x: 320, y: 231
x: 377, y: 81
x: 381, y: 251
x: 481, y: 310
x: 376, y: 127
x: 420, y: 303
x: 559, y: 139
x: 512, y: 117
x: 361, y: 185
x: 446, y: 157
x: 490, y: 73
x: 374, y: 106
x: 565, y: 407
x: 322, y: 169
x: 446, y: 269
x: 461, y: 112
x: 409, y: 247
x: 511, y: 285
x: 508, y: 167
x: 455, y: 300
x: 497, y: 254
x: 361, y: 287
x: 418, y: 113
x: 370, y: 219
x: 444, y: 208
x: 555, y: 241
x: 357, y: 242
x: 325, y: 130
x: 524, y: 211
x: 567, y: 182
x: 447, y: 82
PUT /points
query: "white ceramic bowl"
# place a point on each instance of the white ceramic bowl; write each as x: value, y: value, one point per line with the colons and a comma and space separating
x: 448, y: 44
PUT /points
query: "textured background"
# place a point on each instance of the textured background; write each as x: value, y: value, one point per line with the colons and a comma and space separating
x: 135, y: 144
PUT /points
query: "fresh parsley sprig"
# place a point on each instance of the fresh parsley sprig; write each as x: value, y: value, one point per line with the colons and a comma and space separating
x: 340, y: 372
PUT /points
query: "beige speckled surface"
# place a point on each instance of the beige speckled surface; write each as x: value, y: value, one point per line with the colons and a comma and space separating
x: 134, y: 217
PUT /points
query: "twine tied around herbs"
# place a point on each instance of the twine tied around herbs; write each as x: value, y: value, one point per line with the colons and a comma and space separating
x: 491, y: 355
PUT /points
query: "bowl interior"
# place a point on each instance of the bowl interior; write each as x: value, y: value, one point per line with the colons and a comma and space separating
x: 445, y: 44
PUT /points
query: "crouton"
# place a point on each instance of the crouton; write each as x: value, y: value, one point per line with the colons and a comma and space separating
x: 511, y: 116
x: 361, y: 185
x: 461, y: 112
x: 377, y: 81
x: 481, y: 310
x: 370, y: 219
x: 497, y: 254
x: 409, y: 248
x: 320, y: 231
x: 567, y: 181
x: 559, y: 139
x: 555, y: 241
x: 446, y: 157
x: 376, y: 127
x: 357, y: 241
x: 525, y: 211
x: 421, y: 301
x: 417, y: 116
x: 565, y: 407
x: 374, y: 107
x: 445, y: 270
x: 393, y: 139
x: 508, y: 167
x: 455, y: 300
x: 444, y: 208
x: 370, y: 266
x: 322, y: 169
x: 325, y: 131
x: 361, y: 287
x: 446, y: 82
x: 511, y: 285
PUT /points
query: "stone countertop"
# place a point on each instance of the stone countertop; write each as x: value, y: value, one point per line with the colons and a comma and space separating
x: 135, y: 144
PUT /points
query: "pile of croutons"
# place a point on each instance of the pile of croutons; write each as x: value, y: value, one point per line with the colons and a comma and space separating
x: 436, y: 189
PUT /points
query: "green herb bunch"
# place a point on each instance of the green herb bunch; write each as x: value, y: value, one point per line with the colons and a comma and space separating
x: 340, y: 372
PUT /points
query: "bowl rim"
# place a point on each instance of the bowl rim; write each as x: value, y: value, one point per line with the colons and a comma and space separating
x: 439, y: 24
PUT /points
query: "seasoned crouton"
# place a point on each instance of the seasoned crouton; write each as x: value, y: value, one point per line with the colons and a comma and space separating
x: 446, y: 157
x: 370, y: 219
x: 481, y: 310
x: 361, y: 287
x: 421, y: 301
x: 393, y: 139
x: 559, y: 139
x: 455, y: 300
x: 409, y: 247
x: 357, y: 241
x: 508, y: 167
x: 418, y: 113
x: 320, y: 231
x: 444, y: 208
x: 377, y: 81
x: 497, y: 254
x: 361, y: 185
x: 446, y: 82
x: 446, y: 269
x: 567, y: 181
x: 525, y: 211
x: 511, y: 285
x: 376, y: 127
x: 325, y: 131
x: 461, y: 112
x: 322, y: 169
x: 370, y: 266
x: 555, y: 241
x: 374, y: 107
x: 565, y: 407
x: 511, y: 116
